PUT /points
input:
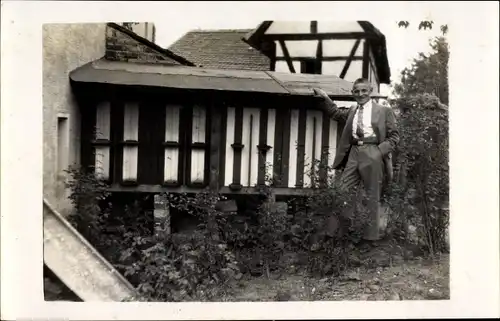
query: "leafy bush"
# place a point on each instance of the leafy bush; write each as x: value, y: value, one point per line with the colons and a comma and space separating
x: 259, y: 241
x: 89, y: 196
x: 419, y: 195
x: 166, y: 269
x: 171, y: 267
x: 161, y: 266
x: 269, y: 232
x: 328, y: 235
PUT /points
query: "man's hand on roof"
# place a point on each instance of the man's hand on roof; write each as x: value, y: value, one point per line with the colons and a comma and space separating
x: 320, y: 92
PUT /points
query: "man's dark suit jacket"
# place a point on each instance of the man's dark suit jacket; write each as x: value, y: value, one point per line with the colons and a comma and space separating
x: 384, y: 126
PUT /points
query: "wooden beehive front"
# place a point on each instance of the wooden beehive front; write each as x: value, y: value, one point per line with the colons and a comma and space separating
x: 152, y: 142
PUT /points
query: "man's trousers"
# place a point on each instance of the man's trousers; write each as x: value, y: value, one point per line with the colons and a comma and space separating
x: 364, y: 165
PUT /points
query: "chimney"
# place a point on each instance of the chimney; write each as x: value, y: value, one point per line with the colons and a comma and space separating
x: 146, y: 30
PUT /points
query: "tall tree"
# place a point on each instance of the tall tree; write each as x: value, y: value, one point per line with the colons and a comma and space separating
x: 428, y: 73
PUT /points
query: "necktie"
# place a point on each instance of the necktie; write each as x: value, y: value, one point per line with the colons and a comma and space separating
x: 359, y: 127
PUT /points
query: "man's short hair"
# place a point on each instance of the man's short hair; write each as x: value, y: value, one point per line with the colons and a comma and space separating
x: 362, y: 81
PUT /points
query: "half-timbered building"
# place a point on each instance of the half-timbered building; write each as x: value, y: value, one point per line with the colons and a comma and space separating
x: 347, y: 49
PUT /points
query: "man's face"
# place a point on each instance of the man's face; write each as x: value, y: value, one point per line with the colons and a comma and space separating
x: 362, y: 92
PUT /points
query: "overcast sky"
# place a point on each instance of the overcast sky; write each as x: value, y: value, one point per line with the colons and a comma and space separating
x: 402, y: 44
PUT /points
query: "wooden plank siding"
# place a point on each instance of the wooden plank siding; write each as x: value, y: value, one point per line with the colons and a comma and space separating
x: 130, y: 143
x: 198, y: 145
x: 102, y: 144
x: 172, y: 156
x: 176, y: 145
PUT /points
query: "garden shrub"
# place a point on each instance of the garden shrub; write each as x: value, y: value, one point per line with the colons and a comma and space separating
x: 91, y: 209
x: 161, y: 267
x: 328, y: 236
x: 419, y: 194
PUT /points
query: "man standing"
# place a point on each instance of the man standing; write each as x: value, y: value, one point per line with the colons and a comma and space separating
x: 364, y: 150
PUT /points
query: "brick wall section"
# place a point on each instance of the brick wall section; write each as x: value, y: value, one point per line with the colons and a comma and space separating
x: 122, y: 47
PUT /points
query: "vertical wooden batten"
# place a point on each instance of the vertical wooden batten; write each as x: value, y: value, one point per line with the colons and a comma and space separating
x: 333, y: 138
x: 293, y: 147
x: 216, y: 130
x: 172, y: 146
x: 229, y: 150
x: 266, y: 137
x: 262, y: 147
x: 278, y: 156
x: 312, y: 150
x: 237, y: 147
x: 250, y: 139
x: 271, y: 125
x: 198, y: 146
x: 222, y: 143
x: 117, y: 127
x: 102, y: 142
x: 130, y: 143
x: 301, y: 145
x: 325, y: 144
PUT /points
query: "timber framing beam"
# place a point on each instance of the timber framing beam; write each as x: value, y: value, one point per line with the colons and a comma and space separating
x: 319, y: 58
x: 253, y: 38
x: 366, y: 47
x: 319, y: 49
x: 318, y: 36
x: 323, y: 58
x: 285, y: 191
x: 287, y: 56
x: 366, y: 60
x: 349, y: 59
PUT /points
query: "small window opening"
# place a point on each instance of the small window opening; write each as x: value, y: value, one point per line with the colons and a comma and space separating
x: 62, y: 144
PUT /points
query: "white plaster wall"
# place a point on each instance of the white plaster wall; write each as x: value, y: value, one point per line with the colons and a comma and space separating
x: 65, y: 47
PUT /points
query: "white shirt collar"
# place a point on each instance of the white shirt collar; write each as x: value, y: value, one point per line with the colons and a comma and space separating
x: 368, y: 104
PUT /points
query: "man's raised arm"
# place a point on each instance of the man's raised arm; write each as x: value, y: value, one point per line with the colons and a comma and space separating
x: 329, y: 106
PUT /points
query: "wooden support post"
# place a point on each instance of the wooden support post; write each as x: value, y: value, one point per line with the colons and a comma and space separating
x: 319, y: 50
x: 215, y: 145
x: 161, y: 214
x: 215, y: 139
x: 366, y: 60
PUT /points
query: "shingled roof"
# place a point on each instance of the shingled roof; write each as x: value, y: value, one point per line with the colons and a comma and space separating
x: 220, y: 49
